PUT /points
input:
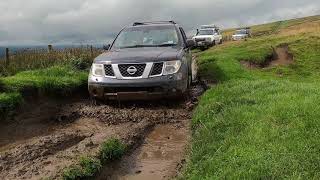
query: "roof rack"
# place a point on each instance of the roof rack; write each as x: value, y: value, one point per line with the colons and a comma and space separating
x: 153, y: 22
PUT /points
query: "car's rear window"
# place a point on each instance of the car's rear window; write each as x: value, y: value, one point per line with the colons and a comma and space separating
x: 147, y: 36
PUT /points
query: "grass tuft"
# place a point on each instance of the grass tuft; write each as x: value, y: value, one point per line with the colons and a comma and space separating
x: 88, y: 167
x: 112, y: 150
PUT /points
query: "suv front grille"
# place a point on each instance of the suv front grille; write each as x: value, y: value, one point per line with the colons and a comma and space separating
x: 200, y: 39
x: 108, y: 70
x: 124, y: 69
x: 156, y: 69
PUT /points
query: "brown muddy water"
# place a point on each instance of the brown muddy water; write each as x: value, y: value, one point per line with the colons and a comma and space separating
x: 159, y: 157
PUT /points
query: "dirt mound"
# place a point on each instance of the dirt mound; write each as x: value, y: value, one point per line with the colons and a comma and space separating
x: 112, y: 115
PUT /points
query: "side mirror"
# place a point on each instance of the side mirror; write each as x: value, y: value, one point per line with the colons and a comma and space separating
x: 106, y: 47
x: 190, y: 43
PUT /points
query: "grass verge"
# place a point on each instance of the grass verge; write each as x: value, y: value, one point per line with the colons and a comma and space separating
x: 88, y: 167
x: 257, y: 129
x: 54, y: 81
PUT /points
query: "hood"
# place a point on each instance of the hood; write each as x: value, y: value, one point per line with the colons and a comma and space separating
x: 138, y: 55
x: 203, y: 36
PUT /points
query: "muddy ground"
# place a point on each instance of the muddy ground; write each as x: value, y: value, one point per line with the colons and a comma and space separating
x: 49, y: 135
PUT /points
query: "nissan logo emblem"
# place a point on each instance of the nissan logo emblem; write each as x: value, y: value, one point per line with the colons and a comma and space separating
x: 132, y: 70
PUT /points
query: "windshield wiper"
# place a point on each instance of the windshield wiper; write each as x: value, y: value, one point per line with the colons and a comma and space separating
x: 166, y: 45
x: 136, y: 46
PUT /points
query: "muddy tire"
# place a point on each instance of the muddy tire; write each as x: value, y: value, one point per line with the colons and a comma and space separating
x: 96, y: 101
x: 189, y: 80
x: 220, y: 42
x: 213, y: 43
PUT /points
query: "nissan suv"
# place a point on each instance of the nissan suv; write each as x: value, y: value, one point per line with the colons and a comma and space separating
x: 146, y: 60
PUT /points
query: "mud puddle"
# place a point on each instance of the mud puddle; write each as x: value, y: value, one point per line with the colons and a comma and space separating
x: 157, y: 158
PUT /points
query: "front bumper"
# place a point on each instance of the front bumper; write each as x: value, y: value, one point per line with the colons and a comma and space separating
x: 203, y: 43
x: 136, y: 89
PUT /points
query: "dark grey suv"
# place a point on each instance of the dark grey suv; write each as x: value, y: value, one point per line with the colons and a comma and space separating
x: 146, y: 60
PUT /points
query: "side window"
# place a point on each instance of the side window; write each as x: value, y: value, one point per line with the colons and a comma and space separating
x: 183, y: 35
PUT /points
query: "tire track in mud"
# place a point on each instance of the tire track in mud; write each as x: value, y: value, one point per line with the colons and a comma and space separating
x: 55, y: 134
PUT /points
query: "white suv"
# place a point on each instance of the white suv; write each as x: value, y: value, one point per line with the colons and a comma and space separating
x: 207, y: 36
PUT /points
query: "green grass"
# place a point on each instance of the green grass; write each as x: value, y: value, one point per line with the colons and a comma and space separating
x: 111, y: 150
x: 51, y: 80
x: 8, y: 102
x: 257, y: 129
x: 88, y: 167
x: 259, y: 123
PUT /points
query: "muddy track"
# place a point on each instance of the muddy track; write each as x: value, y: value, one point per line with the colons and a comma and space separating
x: 49, y: 135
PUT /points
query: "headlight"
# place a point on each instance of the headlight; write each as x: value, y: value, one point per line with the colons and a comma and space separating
x: 171, y: 67
x: 97, y: 69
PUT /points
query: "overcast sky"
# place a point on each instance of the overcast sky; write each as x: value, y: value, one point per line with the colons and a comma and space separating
x: 97, y: 21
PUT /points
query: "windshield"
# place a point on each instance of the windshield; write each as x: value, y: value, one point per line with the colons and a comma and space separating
x: 147, y: 36
x: 241, y: 32
x: 205, y: 32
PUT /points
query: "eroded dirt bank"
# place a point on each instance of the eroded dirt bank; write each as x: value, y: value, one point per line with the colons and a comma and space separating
x: 49, y: 136
x: 281, y: 56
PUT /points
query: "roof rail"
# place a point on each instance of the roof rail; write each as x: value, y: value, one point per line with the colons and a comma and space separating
x: 153, y: 22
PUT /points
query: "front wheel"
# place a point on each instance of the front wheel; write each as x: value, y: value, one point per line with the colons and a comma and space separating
x: 220, y: 42
x: 189, y: 81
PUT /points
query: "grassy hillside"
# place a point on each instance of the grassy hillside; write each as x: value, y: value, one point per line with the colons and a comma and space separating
x: 260, y: 123
x: 307, y: 24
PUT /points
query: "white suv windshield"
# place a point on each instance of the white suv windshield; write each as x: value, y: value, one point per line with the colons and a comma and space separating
x: 147, y: 36
x: 241, y: 32
x: 206, y: 32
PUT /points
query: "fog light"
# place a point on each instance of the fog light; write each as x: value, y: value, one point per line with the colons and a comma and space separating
x: 179, y: 76
x: 174, y: 90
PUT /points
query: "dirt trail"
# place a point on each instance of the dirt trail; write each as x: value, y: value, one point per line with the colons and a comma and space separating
x: 49, y: 136
x: 282, y: 56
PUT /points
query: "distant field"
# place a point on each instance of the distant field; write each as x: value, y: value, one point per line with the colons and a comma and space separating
x: 262, y: 121
x: 307, y: 24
